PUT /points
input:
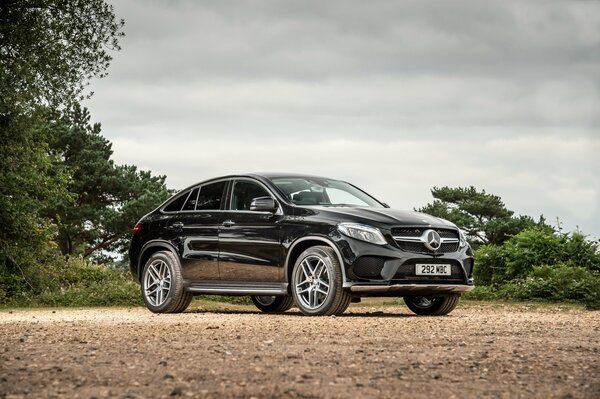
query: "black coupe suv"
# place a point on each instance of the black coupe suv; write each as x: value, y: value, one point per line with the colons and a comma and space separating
x: 286, y: 239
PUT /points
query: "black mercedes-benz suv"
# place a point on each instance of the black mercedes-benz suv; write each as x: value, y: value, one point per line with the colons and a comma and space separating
x: 287, y: 239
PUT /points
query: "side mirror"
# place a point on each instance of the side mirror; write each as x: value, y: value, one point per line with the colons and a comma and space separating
x: 263, y: 204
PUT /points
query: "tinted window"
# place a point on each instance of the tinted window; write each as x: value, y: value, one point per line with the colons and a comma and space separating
x: 210, y: 196
x: 190, y: 204
x: 317, y: 191
x: 176, y: 204
x: 243, y: 194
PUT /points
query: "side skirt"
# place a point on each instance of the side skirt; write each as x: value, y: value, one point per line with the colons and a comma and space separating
x: 236, y: 288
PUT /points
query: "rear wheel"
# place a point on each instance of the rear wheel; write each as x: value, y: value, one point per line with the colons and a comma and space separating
x: 432, y: 306
x: 273, y: 304
x: 162, y: 284
x: 317, y: 283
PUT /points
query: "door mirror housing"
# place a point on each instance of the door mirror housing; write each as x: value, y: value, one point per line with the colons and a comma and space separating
x: 263, y: 204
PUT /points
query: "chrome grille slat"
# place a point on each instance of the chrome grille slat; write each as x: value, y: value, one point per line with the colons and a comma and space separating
x: 410, y: 239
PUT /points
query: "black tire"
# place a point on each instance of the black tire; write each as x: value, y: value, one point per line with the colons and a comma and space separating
x: 337, y: 300
x: 432, y: 306
x: 176, y: 299
x: 273, y: 304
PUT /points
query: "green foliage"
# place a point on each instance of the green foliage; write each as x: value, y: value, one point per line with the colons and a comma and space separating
x: 540, y: 264
x: 29, y: 180
x: 483, y: 217
x: 557, y: 283
x: 48, y: 51
x: 517, y: 257
x: 106, y: 200
x: 77, y: 282
x: 51, y: 48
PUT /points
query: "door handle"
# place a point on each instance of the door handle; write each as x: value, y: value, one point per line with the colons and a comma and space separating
x: 228, y: 223
x: 177, y: 226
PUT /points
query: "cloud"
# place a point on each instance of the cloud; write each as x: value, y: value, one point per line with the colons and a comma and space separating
x: 394, y: 96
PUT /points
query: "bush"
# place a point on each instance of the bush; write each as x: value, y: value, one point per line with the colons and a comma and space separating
x: 77, y: 282
x: 557, y: 283
x: 517, y: 257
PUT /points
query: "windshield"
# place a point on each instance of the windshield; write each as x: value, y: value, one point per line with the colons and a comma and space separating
x: 314, y: 191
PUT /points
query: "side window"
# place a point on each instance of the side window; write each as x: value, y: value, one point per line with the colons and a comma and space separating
x: 190, y: 204
x: 176, y: 204
x: 243, y: 194
x: 210, y: 196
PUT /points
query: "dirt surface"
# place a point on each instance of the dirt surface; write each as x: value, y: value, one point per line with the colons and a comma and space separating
x: 374, y: 351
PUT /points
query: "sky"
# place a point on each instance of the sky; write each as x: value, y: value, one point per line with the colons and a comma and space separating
x: 396, y: 97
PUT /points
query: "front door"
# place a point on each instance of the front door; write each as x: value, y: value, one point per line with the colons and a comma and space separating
x: 249, y: 241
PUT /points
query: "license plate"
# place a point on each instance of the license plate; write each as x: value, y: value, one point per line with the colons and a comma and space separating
x: 430, y: 269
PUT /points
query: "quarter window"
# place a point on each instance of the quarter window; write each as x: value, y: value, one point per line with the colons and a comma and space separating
x: 210, y: 196
x: 243, y: 194
x: 190, y: 204
x: 176, y: 204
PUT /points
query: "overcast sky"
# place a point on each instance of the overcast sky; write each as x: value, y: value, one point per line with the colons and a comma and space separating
x: 396, y: 97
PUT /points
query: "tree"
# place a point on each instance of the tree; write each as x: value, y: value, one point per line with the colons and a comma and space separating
x: 106, y: 200
x: 49, y: 49
x: 483, y: 217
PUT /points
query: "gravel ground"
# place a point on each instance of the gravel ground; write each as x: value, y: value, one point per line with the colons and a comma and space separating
x: 479, y: 350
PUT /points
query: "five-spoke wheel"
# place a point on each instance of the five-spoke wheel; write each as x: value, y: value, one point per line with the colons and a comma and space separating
x: 317, y: 283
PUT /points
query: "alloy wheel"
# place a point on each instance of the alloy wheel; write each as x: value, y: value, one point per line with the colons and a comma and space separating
x: 312, y: 282
x: 157, y: 282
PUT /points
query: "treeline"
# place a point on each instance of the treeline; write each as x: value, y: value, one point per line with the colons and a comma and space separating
x: 517, y: 257
x: 64, y: 204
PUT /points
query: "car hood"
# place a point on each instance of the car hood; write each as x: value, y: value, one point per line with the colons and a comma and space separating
x: 385, y: 216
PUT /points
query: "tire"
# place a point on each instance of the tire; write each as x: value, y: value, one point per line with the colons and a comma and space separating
x: 432, y: 306
x: 162, y: 284
x: 317, y: 283
x: 273, y: 304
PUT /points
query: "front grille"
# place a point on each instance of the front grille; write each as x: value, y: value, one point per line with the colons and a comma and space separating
x: 419, y: 247
x: 418, y: 231
x: 368, y: 266
x: 407, y: 232
x: 407, y: 272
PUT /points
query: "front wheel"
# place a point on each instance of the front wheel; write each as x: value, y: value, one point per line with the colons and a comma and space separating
x: 317, y: 283
x: 432, y: 306
x: 273, y: 304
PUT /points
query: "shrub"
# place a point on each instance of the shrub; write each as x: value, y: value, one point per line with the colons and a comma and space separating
x: 557, y: 283
x: 517, y: 257
x: 77, y: 282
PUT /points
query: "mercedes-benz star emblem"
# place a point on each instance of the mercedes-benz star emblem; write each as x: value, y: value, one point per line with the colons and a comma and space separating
x: 433, y: 241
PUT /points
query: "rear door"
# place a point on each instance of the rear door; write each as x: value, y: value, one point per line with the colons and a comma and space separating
x: 249, y: 241
x: 197, y: 230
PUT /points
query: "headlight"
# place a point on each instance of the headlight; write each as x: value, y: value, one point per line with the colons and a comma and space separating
x: 462, y: 239
x: 362, y: 232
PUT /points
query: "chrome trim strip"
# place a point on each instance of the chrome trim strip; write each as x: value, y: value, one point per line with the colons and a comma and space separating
x: 236, y: 290
x: 436, y: 288
x: 422, y: 239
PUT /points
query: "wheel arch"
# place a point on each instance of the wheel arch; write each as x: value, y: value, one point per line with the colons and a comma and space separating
x: 302, y: 244
x: 149, y: 249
